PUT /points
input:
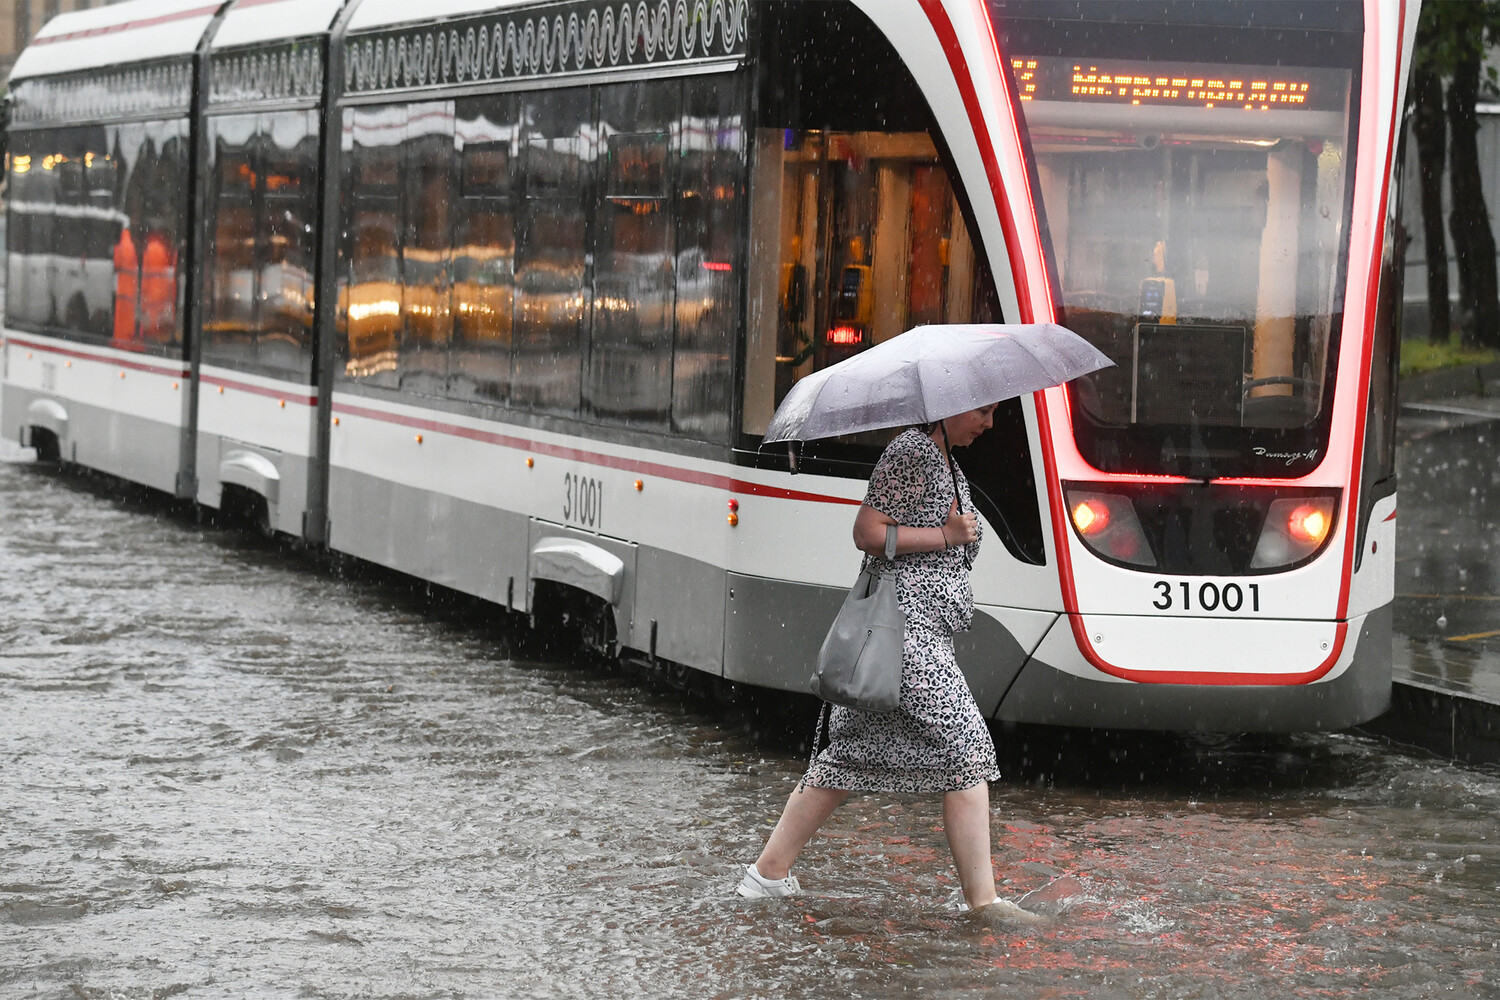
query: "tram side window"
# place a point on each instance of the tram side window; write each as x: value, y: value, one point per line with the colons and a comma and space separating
x: 567, y: 252
x: 370, y: 289
x: 710, y: 262
x: 259, y: 285
x: 156, y: 204
x: 427, y: 241
x: 229, y: 318
x: 630, y: 349
x: 98, y: 220
x: 33, y: 206
x: 552, y: 293
x: 484, y: 248
x: 289, y: 221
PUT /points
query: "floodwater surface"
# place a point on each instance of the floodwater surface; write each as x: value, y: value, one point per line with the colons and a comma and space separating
x: 229, y: 771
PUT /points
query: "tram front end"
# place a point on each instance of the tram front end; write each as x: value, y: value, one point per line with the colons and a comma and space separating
x: 1213, y: 194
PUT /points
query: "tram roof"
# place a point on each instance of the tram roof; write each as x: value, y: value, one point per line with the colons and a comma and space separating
x: 131, y: 32
x: 253, y: 21
x: 382, y: 13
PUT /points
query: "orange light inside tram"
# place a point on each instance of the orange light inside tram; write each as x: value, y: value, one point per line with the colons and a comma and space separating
x: 1308, y: 524
x: 846, y: 335
x: 1090, y: 517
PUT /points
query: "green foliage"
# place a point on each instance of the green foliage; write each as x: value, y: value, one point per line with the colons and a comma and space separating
x: 1450, y: 31
x: 1420, y: 356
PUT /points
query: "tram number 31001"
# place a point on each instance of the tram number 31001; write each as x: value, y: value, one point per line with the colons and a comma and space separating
x: 1206, y: 596
x: 583, y: 500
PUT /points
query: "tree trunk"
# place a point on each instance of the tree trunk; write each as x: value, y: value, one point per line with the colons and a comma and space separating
x: 1431, y: 133
x: 1469, y: 222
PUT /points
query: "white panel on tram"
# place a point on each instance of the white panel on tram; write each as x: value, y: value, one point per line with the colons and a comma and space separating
x: 251, y: 21
x: 379, y: 13
x: 104, y: 36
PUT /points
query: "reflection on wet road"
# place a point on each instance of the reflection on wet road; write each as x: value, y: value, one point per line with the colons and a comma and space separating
x: 225, y: 771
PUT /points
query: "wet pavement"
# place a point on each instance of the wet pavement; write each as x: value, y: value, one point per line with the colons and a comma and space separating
x: 228, y: 770
x: 1447, y: 608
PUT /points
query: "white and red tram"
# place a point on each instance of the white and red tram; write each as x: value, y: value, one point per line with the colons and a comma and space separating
x: 502, y: 296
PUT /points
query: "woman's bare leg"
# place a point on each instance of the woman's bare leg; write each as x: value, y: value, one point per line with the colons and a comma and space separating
x: 966, y: 819
x: 807, y: 810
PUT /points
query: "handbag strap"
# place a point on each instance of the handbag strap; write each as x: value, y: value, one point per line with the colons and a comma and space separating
x: 817, y: 735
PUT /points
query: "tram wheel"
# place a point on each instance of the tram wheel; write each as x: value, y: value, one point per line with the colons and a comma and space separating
x: 246, y: 509
x: 574, y: 625
x: 46, y: 444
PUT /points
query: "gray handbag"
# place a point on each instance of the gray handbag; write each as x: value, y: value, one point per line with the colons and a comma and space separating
x: 859, y: 665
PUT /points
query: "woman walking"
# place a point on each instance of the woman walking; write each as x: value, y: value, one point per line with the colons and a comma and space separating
x: 935, y: 740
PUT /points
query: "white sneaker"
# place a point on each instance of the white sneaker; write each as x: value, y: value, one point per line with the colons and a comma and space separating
x: 756, y: 886
x: 995, y: 909
x: 1004, y: 909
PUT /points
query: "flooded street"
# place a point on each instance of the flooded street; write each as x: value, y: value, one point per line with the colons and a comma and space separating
x: 1447, y: 607
x: 229, y: 771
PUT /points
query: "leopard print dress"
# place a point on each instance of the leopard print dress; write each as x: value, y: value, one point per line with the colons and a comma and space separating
x: 935, y: 740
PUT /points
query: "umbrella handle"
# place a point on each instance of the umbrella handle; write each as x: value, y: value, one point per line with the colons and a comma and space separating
x: 948, y: 453
x: 958, y: 498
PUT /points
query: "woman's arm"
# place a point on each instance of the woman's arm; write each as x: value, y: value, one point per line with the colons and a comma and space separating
x: 870, y: 525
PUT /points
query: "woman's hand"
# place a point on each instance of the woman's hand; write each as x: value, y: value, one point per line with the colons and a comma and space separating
x: 961, y: 529
x: 870, y: 525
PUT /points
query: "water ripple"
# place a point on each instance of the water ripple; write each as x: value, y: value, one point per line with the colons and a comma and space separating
x: 231, y: 771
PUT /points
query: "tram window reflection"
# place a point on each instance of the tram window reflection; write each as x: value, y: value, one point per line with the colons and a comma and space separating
x: 259, y: 280
x: 484, y: 248
x: 102, y: 178
x: 86, y: 202
x: 162, y: 224
x: 229, y: 319
x: 630, y: 352
x: 33, y: 206
x: 552, y: 296
x: 370, y: 303
x: 709, y: 262
x: 566, y: 252
x: 285, y: 227
x: 426, y: 247
x: 21, y: 184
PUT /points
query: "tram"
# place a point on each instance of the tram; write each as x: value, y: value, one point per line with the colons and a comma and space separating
x: 502, y: 295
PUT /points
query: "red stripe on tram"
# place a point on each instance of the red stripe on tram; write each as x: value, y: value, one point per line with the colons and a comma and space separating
x: 145, y: 22
x: 639, y: 466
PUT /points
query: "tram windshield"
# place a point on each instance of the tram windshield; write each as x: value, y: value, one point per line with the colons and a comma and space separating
x: 1195, y: 183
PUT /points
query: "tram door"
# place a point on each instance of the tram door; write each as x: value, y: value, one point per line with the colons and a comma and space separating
x: 872, y: 244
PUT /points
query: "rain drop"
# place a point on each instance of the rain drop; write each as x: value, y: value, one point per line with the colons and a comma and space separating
x: 1442, y: 621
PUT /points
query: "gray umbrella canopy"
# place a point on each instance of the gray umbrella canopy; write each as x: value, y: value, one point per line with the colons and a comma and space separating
x: 930, y: 373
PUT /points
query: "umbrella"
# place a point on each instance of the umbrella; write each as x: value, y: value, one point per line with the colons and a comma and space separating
x: 930, y: 373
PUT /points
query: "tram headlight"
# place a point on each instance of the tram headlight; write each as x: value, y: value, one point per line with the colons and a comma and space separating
x: 1107, y: 524
x: 1090, y: 518
x: 1308, y: 523
x: 1294, y: 529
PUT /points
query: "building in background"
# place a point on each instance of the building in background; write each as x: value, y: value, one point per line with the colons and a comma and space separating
x: 21, y: 19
